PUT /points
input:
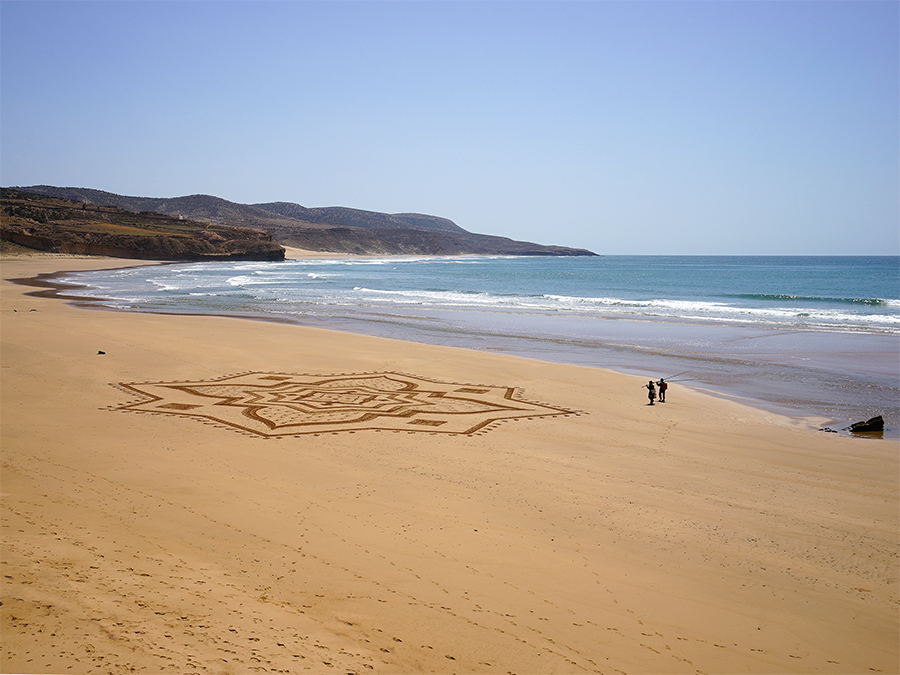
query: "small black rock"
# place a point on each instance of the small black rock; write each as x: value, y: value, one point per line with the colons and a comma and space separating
x: 874, y: 424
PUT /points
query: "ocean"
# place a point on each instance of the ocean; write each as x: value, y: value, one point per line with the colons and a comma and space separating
x: 803, y: 336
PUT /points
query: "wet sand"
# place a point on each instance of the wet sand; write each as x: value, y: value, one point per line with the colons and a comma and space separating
x: 844, y: 376
x: 178, y: 504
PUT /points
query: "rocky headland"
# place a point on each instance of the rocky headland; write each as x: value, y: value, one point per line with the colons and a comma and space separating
x: 327, y: 229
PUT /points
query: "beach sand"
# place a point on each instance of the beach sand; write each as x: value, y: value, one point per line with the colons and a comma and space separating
x: 457, y: 511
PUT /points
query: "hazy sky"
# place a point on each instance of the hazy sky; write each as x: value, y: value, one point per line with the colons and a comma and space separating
x: 623, y: 127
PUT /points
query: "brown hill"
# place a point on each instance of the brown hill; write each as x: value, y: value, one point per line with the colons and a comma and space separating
x: 60, y: 225
x: 331, y: 229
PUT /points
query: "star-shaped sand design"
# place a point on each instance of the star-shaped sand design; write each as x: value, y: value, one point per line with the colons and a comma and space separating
x: 280, y: 404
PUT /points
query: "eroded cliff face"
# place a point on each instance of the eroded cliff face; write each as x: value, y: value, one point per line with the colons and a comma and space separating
x: 144, y: 248
x: 63, y: 226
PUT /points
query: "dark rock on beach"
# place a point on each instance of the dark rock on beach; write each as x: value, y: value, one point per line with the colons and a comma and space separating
x: 874, y: 424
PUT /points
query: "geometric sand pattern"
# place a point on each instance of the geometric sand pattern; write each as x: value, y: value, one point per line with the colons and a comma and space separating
x: 280, y: 404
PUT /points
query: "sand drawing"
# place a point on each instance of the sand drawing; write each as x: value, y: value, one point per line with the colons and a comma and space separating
x: 283, y: 404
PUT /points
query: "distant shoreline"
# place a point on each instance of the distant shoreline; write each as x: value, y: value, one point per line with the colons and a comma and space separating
x: 744, y: 392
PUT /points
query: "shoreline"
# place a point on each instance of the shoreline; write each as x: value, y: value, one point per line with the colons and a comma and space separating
x: 50, y: 289
x: 802, y: 411
x: 207, y: 494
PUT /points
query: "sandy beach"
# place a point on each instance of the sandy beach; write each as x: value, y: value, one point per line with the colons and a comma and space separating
x: 203, y: 494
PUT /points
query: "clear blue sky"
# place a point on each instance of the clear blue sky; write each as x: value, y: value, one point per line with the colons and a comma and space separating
x: 623, y: 127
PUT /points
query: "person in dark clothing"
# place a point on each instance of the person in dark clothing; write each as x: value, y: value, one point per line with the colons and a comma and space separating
x: 651, y: 391
x: 662, y: 390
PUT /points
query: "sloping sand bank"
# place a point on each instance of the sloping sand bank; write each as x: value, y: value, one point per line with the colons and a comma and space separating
x: 220, y: 495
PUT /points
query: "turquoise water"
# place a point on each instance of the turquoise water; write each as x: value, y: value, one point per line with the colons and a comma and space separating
x: 808, y: 335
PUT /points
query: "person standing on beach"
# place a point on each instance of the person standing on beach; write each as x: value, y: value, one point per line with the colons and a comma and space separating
x: 662, y: 390
x: 651, y: 391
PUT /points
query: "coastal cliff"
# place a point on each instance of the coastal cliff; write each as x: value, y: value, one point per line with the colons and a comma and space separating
x: 60, y: 225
